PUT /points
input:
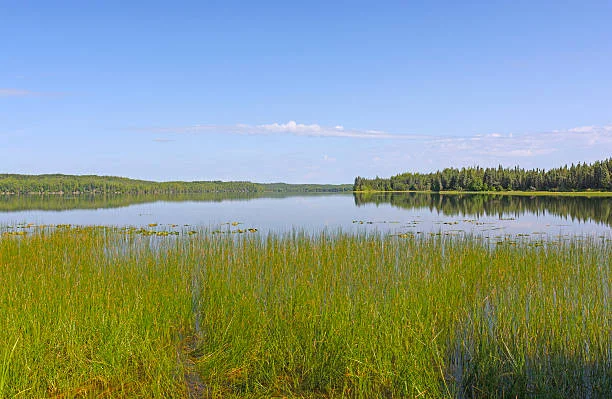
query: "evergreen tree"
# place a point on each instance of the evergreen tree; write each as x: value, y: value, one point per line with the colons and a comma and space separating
x: 596, y: 176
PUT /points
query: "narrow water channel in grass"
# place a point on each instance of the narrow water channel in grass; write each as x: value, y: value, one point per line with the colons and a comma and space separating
x: 387, y: 213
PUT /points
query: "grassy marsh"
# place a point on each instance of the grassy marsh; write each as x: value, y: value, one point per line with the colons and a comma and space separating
x: 99, y: 312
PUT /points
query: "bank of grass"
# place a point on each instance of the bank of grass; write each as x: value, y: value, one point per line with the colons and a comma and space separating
x: 95, y: 311
x: 586, y: 193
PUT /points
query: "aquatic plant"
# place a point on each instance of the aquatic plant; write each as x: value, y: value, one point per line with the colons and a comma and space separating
x: 100, y: 311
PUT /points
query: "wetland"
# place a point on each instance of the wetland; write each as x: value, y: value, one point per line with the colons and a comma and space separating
x: 309, y: 295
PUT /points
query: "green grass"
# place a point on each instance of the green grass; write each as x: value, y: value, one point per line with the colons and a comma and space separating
x: 98, y: 312
x: 585, y: 193
x: 91, y: 312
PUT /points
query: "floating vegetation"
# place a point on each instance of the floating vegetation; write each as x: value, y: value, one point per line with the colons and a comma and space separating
x: 375, y: 222
x: 131, y: 230
x: 237, y: 231
x: 412, y: 223
x: 14, y: 233
x: 475, y: 222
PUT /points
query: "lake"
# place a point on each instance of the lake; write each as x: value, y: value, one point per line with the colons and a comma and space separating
x: 389, y: 213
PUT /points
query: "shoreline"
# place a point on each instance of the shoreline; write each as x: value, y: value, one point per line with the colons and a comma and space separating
x: 450, y: 192
x: 510, y: 193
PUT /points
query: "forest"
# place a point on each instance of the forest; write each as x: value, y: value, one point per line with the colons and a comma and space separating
x: 581, y: 177
x: 92, y: 184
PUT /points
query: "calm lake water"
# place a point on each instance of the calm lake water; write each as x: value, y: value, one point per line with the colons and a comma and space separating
x: 392, y: 213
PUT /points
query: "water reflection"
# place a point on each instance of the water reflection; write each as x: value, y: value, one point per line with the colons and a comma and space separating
x: 13, y: 203
x: 580, y: 209
x: 389, y: 213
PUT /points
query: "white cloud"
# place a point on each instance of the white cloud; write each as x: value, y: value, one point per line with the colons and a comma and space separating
x: 327, y: 158
x: 528, y: 144
x: 12, y: 92
x: 498, y: 145
x: 289, y: 128
x: 528, y: 152
x: 7, y: 92
x: 583, y: 129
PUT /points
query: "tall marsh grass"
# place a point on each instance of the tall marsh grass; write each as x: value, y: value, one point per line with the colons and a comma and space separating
x: 94, y: 311
x: 90, y: 319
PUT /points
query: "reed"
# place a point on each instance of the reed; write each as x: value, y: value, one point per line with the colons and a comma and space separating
x: 92, y: 312
x: 98, y: 311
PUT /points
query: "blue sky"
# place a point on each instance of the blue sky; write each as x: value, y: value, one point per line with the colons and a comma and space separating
x: 311, y: 92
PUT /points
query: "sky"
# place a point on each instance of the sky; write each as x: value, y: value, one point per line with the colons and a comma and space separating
x: 301, y: 92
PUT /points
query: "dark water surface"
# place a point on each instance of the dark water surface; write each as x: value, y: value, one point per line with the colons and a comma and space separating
x: 396, y: 213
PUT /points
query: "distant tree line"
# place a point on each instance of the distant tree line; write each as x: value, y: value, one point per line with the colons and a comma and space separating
x: 92, y: 184
x: 580, y: 177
